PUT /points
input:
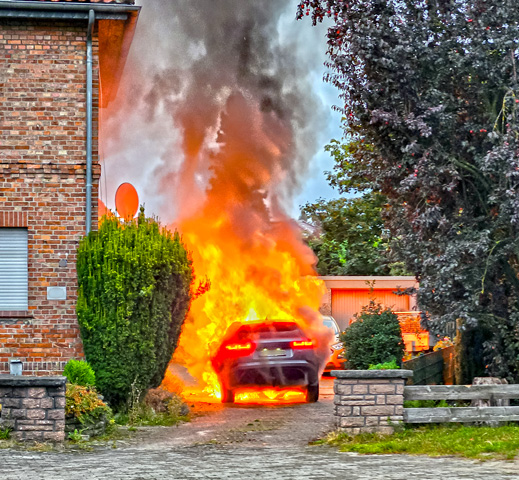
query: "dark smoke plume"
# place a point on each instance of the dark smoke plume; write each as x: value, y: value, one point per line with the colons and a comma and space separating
x: 217, y: 95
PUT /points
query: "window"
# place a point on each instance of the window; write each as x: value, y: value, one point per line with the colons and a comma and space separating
x: 13, y: 269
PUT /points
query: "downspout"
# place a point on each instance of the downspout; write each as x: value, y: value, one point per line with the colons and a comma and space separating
x: 91, y: 20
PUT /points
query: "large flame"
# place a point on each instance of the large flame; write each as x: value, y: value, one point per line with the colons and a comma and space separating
x: 215, y: 125
x: 257, y: 266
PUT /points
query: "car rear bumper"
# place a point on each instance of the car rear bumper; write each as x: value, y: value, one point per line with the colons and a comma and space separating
x: 282, y: 374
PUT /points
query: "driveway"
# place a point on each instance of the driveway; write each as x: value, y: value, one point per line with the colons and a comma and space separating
x: 241, y: 442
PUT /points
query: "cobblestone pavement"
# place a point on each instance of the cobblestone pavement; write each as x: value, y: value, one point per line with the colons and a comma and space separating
x: 241, y: 442
x: 238, y: 462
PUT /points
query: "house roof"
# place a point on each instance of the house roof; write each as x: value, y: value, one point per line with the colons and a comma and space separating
x: 125, y: 2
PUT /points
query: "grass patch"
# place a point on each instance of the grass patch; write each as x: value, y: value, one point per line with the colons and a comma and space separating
x: 159, y: 408
x: 43, y: 447
x: 7, y: 444
x: 143, y: 415
x: 482, y: 443
x: 75, y: 436
x: 149, y: 418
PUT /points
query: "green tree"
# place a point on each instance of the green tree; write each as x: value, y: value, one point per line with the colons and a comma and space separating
x: 134, y: 292
x: 346, y: 235
x: 430, y: 91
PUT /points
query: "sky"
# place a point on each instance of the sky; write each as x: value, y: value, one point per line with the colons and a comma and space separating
x: 183, y: 60
x: 315, y: 185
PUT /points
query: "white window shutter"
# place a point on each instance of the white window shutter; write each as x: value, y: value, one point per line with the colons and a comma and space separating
x: 14, y: 276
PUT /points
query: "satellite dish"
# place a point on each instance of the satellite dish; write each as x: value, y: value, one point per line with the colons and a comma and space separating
x: 126, y: 201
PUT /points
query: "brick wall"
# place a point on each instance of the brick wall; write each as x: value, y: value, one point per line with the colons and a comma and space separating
x: 42, y: 180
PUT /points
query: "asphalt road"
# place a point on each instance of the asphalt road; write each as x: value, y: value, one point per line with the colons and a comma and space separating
x: 241, y: 442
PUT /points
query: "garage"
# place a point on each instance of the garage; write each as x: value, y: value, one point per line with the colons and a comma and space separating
x: 347, y: 295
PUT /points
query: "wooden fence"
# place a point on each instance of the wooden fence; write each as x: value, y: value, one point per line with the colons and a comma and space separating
x: 432, y: 368
x: 490, y: 393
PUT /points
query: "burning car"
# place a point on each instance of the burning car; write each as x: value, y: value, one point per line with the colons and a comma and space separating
x: 267, y: 353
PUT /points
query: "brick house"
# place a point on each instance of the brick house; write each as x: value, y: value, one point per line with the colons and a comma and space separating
x: 60, y: 61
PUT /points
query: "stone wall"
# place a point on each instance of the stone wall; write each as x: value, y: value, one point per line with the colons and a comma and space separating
x: 369, y: 401
x: 33, y: 407
x: 42, y: 180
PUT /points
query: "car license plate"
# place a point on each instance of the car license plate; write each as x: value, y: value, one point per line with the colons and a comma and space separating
x: 278, y: 352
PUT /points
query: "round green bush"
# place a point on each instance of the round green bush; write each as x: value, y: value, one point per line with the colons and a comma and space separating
x: 374, y: 338
x: 134, y: 292
x: 79, y: 372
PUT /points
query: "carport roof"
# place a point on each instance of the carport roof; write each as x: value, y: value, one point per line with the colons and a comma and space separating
x: 360, y: 282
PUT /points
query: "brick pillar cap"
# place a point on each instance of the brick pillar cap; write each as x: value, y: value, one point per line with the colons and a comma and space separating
x: 367, y: 374
x: 29, y: 381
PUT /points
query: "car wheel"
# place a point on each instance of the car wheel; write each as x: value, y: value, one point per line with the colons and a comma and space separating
x: 227, y: 395
x: 312, y: 393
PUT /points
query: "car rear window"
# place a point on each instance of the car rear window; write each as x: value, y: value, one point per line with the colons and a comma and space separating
x: 271, y: 327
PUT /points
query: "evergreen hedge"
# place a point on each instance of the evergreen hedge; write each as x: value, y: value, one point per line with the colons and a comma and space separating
x: 134, y: 292
x: 375, y: 337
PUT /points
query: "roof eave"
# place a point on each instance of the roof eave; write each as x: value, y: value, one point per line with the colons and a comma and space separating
x: 68, y: 6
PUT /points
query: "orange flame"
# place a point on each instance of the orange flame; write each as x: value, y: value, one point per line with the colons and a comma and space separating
x: 257, y: 266
x: 270, y: 395
x: 249, y: 281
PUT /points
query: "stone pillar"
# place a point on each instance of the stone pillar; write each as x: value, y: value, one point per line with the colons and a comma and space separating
x: 369, y: 400
x: 33, y: 407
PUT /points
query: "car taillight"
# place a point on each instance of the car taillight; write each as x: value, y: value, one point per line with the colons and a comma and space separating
x: 301, y: 344
x: 239, y: 349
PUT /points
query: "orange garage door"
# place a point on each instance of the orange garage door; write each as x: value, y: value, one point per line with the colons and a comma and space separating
x: 348, y: 302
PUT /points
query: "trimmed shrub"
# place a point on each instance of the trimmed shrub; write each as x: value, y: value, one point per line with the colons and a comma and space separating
x: 79, y: 372
x: 134, y: 292
x: 374, y: 338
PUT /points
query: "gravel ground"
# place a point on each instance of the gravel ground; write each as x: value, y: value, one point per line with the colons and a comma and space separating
x: 240, y: 442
